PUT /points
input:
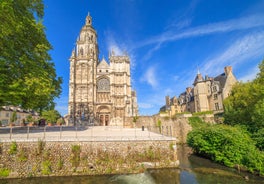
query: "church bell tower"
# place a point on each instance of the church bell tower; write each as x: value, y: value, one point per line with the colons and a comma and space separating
x: 82, y: 84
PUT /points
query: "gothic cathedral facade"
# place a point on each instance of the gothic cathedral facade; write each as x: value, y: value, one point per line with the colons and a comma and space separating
x: 99, y: 92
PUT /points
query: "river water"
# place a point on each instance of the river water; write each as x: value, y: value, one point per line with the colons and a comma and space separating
x: 193, y: 170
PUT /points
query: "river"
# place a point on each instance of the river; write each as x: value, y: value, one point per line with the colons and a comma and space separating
x: 193, y: 170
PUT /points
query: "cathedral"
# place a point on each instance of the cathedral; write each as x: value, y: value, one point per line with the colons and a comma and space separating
x: 99, y: 91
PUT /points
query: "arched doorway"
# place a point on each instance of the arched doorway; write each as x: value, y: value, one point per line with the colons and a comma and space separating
x: 103, y: 114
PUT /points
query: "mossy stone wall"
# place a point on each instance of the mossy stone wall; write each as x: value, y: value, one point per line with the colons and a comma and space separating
x: 34, y: 159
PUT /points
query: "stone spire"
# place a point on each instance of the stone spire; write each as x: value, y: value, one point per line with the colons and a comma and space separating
x: 88, y: 20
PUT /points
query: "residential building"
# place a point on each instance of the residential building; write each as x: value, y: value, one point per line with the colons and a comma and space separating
x: 207, y: 94
x: 6, y: 113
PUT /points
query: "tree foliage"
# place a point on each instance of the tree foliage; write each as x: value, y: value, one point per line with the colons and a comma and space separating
x: 51, y: 116
x: 259, y: 138
x: 245, y: 105
x: 13, y: 117
x: 27, y: 77
x: 227, y: 145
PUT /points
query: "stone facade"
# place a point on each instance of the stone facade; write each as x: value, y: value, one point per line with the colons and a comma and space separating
x: 207, y: 94
x: 6, y: 112
x: 99, y: 91
x: 173, y: 127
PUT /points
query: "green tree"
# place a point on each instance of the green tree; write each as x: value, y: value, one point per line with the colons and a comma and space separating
x: 245, y: 105
x: 27, y: 76
x: 13, y: 117
x: 29, y: 118
x: 159, y: 125
x: 51, y: 116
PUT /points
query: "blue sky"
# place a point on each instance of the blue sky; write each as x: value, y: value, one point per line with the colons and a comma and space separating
x: 167, y: 40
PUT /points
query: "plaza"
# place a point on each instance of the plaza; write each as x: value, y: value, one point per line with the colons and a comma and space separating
x: 89, y: 133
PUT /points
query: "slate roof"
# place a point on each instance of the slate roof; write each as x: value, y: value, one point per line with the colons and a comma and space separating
x: 221, y: 79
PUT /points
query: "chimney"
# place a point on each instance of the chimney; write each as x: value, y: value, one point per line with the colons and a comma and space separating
x: 228, y: 69
x: 188, y: 89
x: 167, y: 98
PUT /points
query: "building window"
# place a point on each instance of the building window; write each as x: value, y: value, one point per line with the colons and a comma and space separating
x: 214, y: 88
x: 7, y: 114
x: 216, y: 106
x: 215, y: 96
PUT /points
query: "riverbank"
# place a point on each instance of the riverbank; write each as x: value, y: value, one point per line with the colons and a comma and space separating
x: 192, y: 169
x: 37, y: 159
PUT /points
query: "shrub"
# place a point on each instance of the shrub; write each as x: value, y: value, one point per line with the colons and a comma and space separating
x: 22, y: 156
x: 4, y: 172
x: 75, y: 157
x: 258, y: 137
x: 13, y: 148
x: 197, y: 122
x: 226, y: 145
x: 202, y: 113
x: 159, y: 125
x: 60, y: 163
x: 46, y: 167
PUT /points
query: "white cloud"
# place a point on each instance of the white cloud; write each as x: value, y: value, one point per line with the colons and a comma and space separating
x: 145, y: 105
x: 183, y: 24
x: 150, y: 77
x: 242, y: 50
x: 113, y: 47
x: 151, y: 51
x: 173, y: 34
x: 225, y: 26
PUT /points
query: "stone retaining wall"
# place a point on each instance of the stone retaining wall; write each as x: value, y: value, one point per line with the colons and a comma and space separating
x: 34, y: 159
x: 178, y: 127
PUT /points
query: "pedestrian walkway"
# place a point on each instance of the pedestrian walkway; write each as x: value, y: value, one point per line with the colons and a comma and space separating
x: 92, y: 133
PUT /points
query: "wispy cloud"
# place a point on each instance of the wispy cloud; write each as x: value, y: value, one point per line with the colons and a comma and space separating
x: 243, y: 23
x: 151, y: 51
x: 145, y: 105
x: 242, y: 50
x: 183, y: 19
x: 113, y: 46
x: 150, y: 77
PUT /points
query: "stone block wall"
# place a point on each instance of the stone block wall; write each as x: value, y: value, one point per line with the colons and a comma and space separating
x: 177, y: 127
x: 34, y: 159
